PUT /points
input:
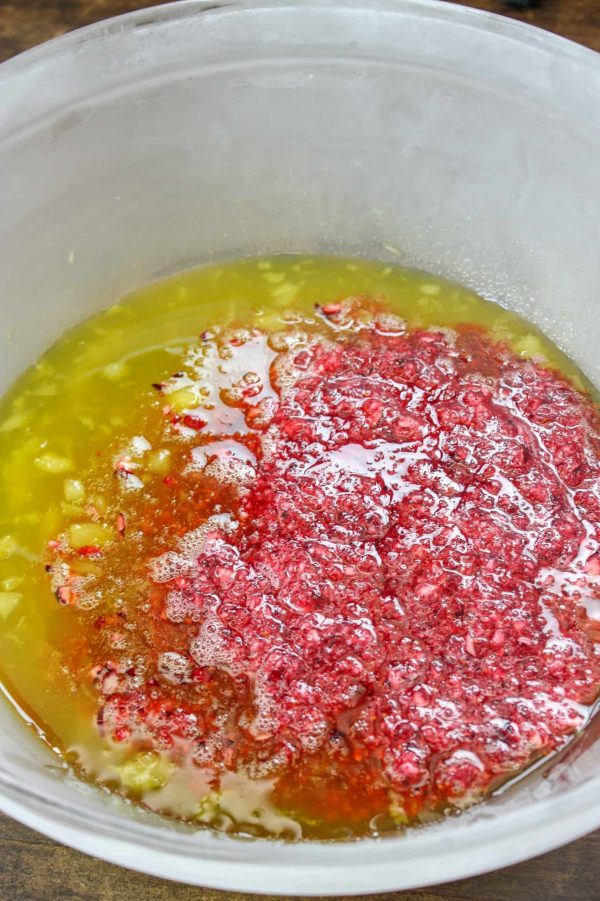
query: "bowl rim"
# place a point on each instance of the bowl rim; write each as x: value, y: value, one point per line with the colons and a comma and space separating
x: 172, y: 10
x: 307, y: 868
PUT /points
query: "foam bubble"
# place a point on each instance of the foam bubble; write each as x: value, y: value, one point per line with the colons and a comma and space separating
x: 87, y: 600
x: 230, y: 471
x: 140, y: 445
x: 173, y: 667
x: 211, y: 646
x: 130, y: 482
x: 390, y: 324
x: 172, y: 564
x: 288, y: 367
x: 169, y: 566
x: 284, y: 340
x: 60, y: 575
x: 181, y: 606
x: 228, y: 452
x: 265, y: 720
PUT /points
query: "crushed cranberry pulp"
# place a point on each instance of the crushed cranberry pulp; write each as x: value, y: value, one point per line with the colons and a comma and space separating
x: 306, y: 548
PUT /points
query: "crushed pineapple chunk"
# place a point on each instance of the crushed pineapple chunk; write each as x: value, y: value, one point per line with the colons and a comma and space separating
x: 8, y: 602
x: 11, y: 583
x: 209, y: 808
x: 529, y: 346
x: 8, y: 546
x: 14, y: 422
x: 430, y: 290
x: 159, y: 461
x: 100, y: 503
x: 274, y: 278
x: 52, y: 463
x: 73, y: 491
x: 86, y: 534
x: 285, y: 294
x: 397, y: 812
x: 145, y: 772
x: 70, y: 509
x: 115, y: 371
x: 182, y: 399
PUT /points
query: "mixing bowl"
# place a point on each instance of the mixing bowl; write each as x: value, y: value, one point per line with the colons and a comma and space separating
x: 410, y: 130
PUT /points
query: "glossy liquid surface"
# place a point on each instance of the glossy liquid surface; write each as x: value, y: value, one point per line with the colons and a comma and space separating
x: 209, y: 491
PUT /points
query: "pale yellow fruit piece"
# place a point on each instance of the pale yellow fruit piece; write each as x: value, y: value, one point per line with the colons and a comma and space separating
x: 182, y: 399
x: 159, y: 461
x: 115, y: 371
x: 85, y: 568
x: 14, y: 422
x: 100, y: 503
x: 529, y: 346
x: 70, y: 509
x: 85, y: 534
x: 73, y: 491
x: 52, y: 463
x: 430, y: 290
x: 145, y: 772
x: 8, y: 546
x: 285, y: 294
x: 209, y: 808
x: 398, y: 813
x: 11, y: 583
x: 274, y: 278
x: 8, y: 602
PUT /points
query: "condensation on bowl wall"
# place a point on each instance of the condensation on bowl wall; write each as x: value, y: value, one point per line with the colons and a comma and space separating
x: 405, y: 129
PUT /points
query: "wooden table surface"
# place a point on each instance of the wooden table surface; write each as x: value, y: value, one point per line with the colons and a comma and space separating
x: 33, y: 868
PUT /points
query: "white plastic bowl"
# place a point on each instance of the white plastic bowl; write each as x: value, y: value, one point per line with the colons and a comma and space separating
x: 173, y: 136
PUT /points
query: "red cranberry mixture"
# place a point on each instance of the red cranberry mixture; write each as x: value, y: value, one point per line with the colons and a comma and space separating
x: 397, y: 581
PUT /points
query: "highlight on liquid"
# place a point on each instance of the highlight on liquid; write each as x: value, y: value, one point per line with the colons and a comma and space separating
x: 301, y: 547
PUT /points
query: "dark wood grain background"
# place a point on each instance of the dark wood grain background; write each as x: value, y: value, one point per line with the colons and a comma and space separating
x: 33, y: 868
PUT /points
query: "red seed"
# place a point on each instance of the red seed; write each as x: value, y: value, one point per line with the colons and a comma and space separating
x: 90, y: 550
x: 194, y: 422
x: 331, y: 309
x: 122, y: 733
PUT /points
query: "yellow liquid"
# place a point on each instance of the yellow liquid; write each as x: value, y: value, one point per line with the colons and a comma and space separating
x: 61, y: 427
